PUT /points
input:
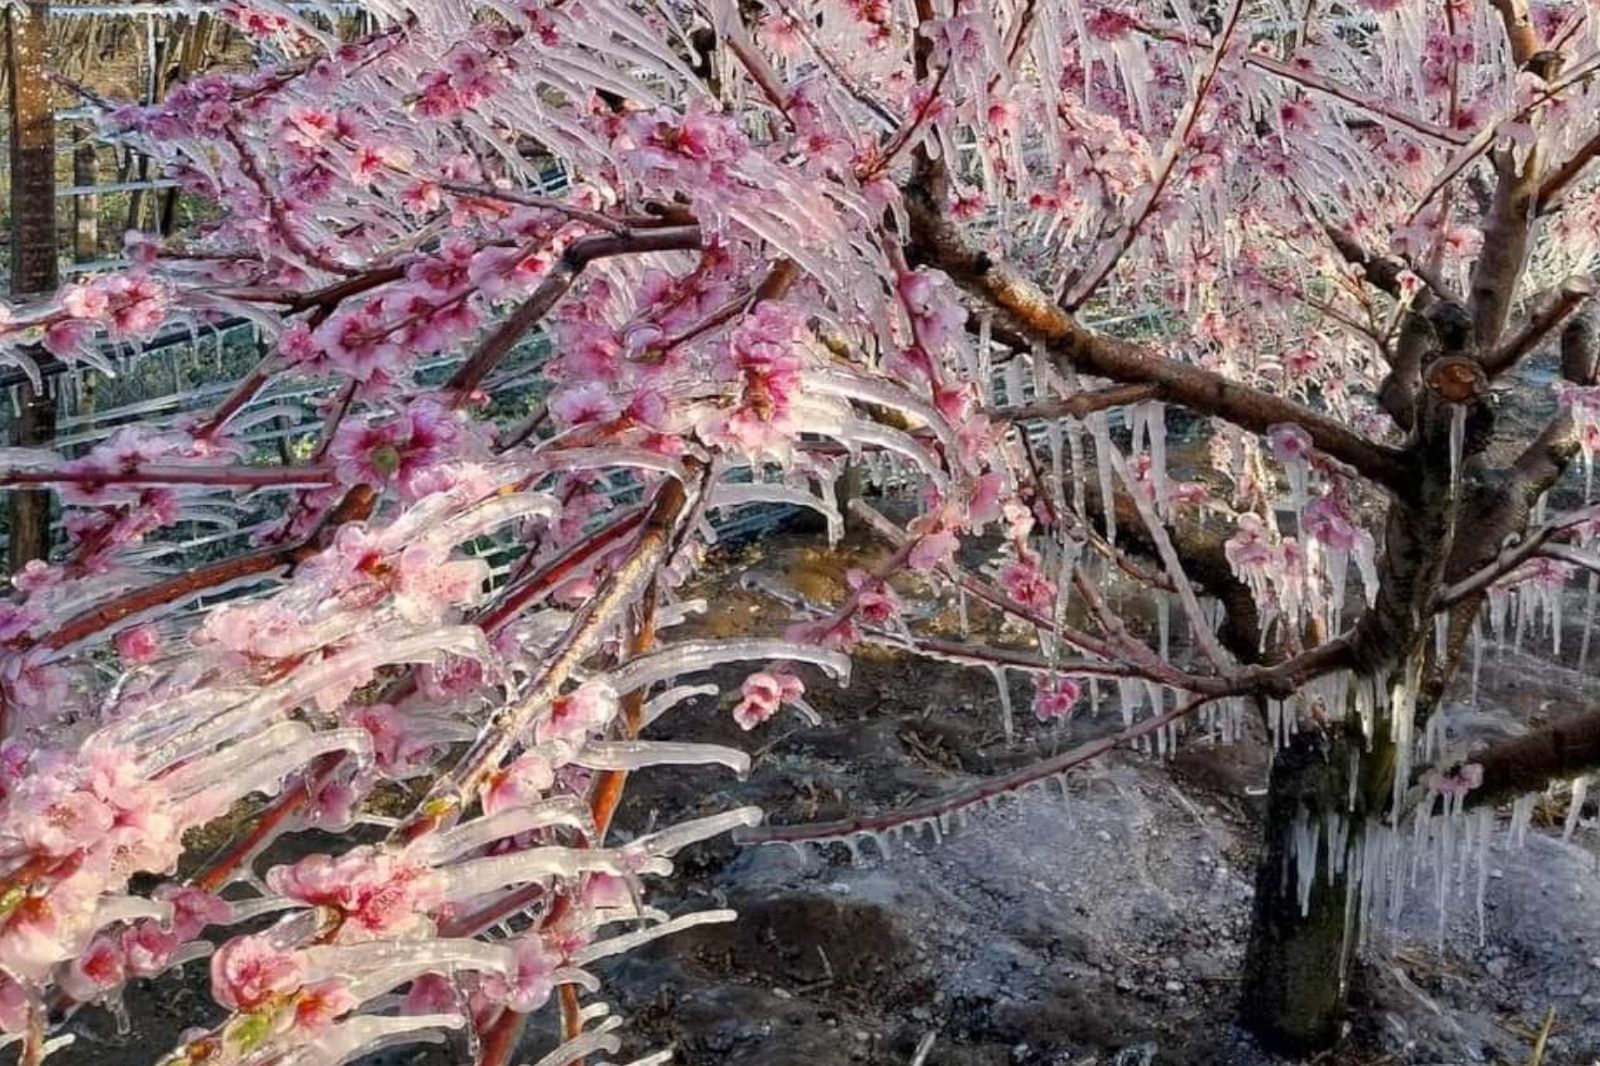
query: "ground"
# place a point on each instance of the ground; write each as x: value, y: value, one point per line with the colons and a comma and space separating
x: 1102, y: 927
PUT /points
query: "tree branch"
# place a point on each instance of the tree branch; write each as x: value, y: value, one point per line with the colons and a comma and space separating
x: 1521, y: 35
x: 1567, y: 298
x: 1079, y: 404
x: 1032, y: 312
x: 1559, y: 752
x: 579, y: 254
x: 1561, y: 178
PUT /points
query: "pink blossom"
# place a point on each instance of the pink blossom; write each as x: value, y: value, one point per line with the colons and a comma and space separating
x: 1055, y: 697
x: 379, y: 894
x: 1456, y: 782
x: 1289, y: 442
x: 987, y: 492
x: 430, y: 993
x: 318, y: 1005
x: 525, y: 781
x: 138, y: 644
x: 15, y: 1006
x: 68, y: 339
x: 1027, y: 585
x: 583, y: 404
x: 248, y: 971
x: 936, y: 311
x: 578, y: 713
x: 875, y: 600
x: 933, y: 549
x: 530, y: 986
x: 99, y: 967
x: 149, y: 948
x: 763, y: 693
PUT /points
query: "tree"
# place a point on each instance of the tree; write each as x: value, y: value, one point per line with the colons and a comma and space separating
x: 788, y: 235
x: 34, y: 267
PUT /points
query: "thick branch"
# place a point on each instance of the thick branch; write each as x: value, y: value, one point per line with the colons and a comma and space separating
x: 1560, y: 179
x: 1032, y: 312
x: 1566, y: 299
x: 1521, y: 35
x: 1559, y: 752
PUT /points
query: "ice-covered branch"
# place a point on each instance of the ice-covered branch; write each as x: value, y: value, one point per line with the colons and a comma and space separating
x: 1031, y: 311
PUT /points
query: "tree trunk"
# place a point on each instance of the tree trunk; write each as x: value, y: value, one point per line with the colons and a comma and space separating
x: 34, y: 270
x: 1297, y: 965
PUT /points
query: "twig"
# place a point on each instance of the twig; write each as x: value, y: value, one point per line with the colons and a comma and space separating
x: 1544, y: 1035
x: 937, y: 808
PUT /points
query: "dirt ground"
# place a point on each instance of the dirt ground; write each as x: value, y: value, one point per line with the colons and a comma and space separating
x: 1105, y: 927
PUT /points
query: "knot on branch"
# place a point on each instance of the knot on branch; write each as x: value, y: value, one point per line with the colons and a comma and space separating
x: 1456, y: 379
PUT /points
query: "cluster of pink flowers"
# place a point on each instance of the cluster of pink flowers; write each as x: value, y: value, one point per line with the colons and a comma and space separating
x: 1054, y: 696
x: 762, y: 693
x: 377, y: 894
x: 405, y: 450
x: 81, y: 824
x: 1025, y: 582
x: 765, y: 357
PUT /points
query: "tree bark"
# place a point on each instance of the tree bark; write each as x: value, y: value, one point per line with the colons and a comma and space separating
x: 34, y: 268
x: 1297, y: 965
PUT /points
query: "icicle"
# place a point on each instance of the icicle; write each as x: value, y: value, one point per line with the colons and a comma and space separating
x: 579, y: 1047
x: 1337, y: 828
x: 1521, y: 817
x: 641, y: 754
x: 1485, y: 819
x: 363, y: 1033
x: 379, y: 965
x: 670, y: 841
x: 445, y: 847
x: 1458, y: 438
x: 1580, y: 788
x: 536, y: 864
x: 694, y: 656
x: 1303, y: 834
x: 1163, y: 621
x: 1588, y: 622
x: 1101, y: 432
x: 1477, y: 657
x: 617, y: 945
x: 1402, y: 720
x: 1007, y: 722
x: 663, y: 702
x: 1156, y: 428
x: 1127, y: 699
x: 1056, y: 442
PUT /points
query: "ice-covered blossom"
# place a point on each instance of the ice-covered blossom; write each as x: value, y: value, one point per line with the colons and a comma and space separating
x: 876, y: 602
x: 249, y: 971
x: 377, y: 894
x: 762, y: 693
x: 1055, y: 696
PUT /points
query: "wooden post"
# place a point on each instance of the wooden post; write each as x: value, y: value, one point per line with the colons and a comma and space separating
x: 85, y: 209
x: 34, y: 270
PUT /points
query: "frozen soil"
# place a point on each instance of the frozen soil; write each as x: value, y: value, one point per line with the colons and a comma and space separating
x: 1104, y: 927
